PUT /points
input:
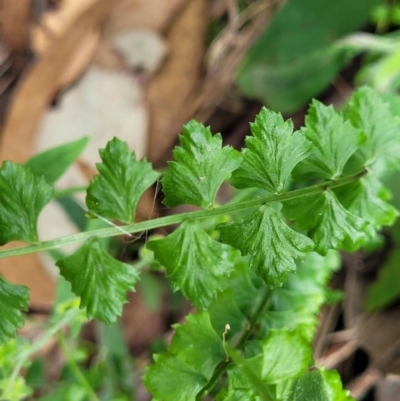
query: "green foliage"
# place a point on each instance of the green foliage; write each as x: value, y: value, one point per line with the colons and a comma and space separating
x: 194, y: 262
x: 23, y: 196
x: 13, y: 299
x: 300, y: 53
x: 258, y: 283
x: 386, y: 290
x: 332, y: 150
x: 271, y: 154
x: 12, y: 390
x: 52, y: 163
x: 284, y: 355
x: 317, y: 384
x: 327, y: 222
x: 181, y: 373
x: 200, y: 168
x: 102, y: 284
x: 18, y: 391
x: 115, y: 193
x: 18, y: 354
x: 272, y: 245
x: 368, y: 113
x: 366, y: 198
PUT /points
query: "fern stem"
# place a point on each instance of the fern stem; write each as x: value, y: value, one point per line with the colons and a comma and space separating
x: 179, y: 218
x: 75, y: 369
x: 221, y: 368
x: 265, y: 301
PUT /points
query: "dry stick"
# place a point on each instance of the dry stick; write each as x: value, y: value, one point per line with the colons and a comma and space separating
x: 217, y: 9
x: 221, y: 70
x: 330, y: 317
x: 338, y: 356
x: 233, y: 11
x: 340, y: 336
x: 361, y: 385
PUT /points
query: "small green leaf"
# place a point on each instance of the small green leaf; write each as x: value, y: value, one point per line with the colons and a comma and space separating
x: 250, y: 374
x: 294, y: 318
x: 236, y: 302
x: 297, y: 303
x: 368, y: 113
x: 200, y: 168
x: 246, y: 287
x: 52, y: 163
x: 366, y: 198
x: 171, y: 379
x: 194, y: 262
x: 328, y: 223
x: 224, y: 310
x: 13, y: 299
x: 314, y: 272
x: 272, y: 245
x: 18, y: 391
x: 285, y: 355
x: 334, y: 139
x: 185, y: 369
x: 197, y: 343
x: 23, y: 196
x: 318, y: 384
x: 115, y: 193
x: 100, y: 280
x: 271, y: 154
x: 237, y: 395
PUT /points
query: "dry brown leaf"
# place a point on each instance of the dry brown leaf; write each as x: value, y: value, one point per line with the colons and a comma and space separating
x: 40, y: 83
x: 136, y: 14
x: 52, y: 25
x: 176, y: 80
x: 15, y: 22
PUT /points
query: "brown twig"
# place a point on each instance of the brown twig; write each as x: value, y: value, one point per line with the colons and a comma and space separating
x: 329, y: 318
x: 334, y: 359
x: 360, y: 386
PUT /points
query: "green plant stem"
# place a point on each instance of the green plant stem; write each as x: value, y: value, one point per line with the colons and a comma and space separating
x: 257, y: 383
x: 264, y: 303
x: 75, y: 369
x: 68, y: 317
x: 221, y: 368
x: 362, y: 42
x: 179, y: 218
